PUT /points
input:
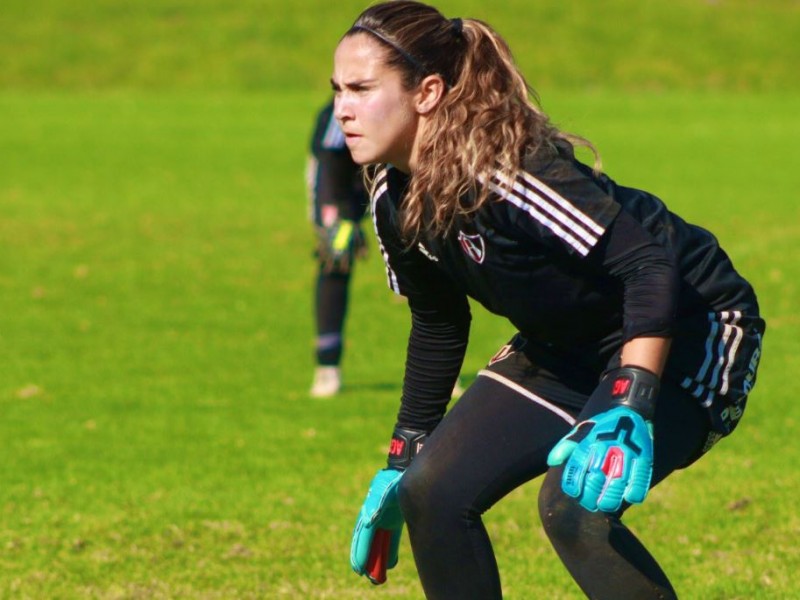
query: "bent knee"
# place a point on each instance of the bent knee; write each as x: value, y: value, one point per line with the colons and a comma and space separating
x: 555, y: 511
x: 425, y: 495
x: 413, y: 493
x: 563, y: 518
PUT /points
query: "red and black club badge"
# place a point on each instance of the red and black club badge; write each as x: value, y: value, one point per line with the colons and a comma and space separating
x: 473, y: 246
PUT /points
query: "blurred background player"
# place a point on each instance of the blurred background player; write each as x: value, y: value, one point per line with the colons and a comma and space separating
x: 338, y: 201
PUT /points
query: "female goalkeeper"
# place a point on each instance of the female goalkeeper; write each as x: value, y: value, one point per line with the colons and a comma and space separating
x: 637, y: 341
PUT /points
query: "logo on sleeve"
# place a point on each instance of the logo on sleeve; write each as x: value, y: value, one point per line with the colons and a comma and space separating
x: 473, y: 246
x: 427, y: 253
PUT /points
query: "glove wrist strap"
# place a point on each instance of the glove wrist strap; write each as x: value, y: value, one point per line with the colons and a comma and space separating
x: 405, y: 445
x: 635, y: 388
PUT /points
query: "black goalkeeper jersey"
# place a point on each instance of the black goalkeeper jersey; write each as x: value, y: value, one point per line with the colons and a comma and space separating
x: 577, y: 263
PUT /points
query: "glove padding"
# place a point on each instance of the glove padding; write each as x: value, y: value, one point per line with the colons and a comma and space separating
x: 609, y: 459
x: 339, y: 244
x: 376, y: 537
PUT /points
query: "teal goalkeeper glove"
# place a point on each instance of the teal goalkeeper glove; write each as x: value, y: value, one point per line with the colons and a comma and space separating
x: 609, y: 457
x: 376, y: 537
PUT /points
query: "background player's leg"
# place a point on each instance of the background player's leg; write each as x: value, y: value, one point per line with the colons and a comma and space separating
x: 331, y: 308
x: 603, y: 556
x: 492, y: 441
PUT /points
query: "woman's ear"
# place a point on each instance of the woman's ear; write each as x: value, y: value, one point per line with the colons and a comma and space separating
x: 429, y: 93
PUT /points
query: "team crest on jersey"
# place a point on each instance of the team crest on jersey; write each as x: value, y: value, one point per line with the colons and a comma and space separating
x: 473, y: 246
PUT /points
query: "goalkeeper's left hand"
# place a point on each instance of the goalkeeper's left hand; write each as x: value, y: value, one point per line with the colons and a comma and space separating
x: 609, y: 457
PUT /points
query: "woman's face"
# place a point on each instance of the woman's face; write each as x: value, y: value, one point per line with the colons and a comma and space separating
x: 376, y: 113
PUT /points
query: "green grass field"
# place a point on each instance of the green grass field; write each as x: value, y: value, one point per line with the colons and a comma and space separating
x: 156, y: 351
x: 155, y: 293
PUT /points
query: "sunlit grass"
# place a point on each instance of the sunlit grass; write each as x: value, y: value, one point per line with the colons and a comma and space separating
x: 155, y: 353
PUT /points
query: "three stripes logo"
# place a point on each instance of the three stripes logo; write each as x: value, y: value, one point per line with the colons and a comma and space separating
x: 551, y: 210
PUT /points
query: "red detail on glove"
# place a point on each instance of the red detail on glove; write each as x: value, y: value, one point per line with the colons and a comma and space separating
x: 621, y: 386
x: 613, y: 463
x: 397, y: 447
x: 379, y: 556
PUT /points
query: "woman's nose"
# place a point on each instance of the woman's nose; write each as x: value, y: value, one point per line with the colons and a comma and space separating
x: 342, y: 109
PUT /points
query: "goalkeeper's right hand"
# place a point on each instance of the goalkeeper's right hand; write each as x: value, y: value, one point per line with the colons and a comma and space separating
x: 376, y: 537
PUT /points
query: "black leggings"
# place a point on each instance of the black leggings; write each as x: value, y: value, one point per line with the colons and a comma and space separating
x: 496, y: 438
x: 330, y: 306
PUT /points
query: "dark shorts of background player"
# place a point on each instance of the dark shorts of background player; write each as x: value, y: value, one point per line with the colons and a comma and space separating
x: 354, y: 210
x: 699, y: 420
